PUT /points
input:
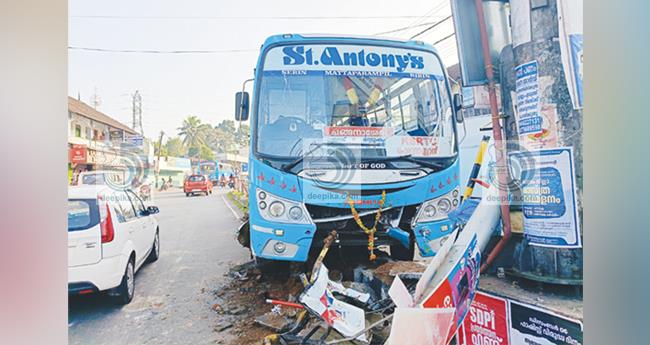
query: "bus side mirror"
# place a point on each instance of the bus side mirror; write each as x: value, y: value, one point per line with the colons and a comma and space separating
x: 241, y: 106
x: 458, y: 106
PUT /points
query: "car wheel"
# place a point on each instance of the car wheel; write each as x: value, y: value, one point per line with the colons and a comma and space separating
x: 126, y: 289
x: 154, y: 254
x: 187, y: 195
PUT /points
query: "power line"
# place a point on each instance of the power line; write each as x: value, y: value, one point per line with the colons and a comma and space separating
x: 416, y: 23
x: 430, y: 27
x: 239, y: 17
x: 146, y: 51
x: 444, y: 38
x: 404, y: 28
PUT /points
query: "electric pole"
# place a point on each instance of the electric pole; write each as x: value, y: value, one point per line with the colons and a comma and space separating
x: 137, y: 112
x: 95, y: 99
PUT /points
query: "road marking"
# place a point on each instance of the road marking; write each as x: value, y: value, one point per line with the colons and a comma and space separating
x: 231, y: 209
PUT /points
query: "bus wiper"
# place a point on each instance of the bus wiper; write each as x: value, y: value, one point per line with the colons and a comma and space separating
x: 287, y: 167
x: 409, y: 158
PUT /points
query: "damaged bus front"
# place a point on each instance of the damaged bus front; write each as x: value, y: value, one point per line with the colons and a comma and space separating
x: 351, y: 134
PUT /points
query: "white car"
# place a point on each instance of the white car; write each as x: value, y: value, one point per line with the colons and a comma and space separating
x: 101, y: 177
x: 111, y: 234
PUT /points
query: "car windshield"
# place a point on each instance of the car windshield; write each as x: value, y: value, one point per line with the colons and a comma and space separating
x: 101, y: 178
x: 196, y: 178
x: 377, y: 112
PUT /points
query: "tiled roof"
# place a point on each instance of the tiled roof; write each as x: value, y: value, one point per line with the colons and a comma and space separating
x: 84, y: 109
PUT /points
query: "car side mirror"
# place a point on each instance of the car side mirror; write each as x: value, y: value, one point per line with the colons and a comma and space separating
x: 458, y: 106
x: 241, y: 106
x: 153, y: 209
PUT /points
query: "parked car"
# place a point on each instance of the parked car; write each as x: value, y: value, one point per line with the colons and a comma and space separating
x: 197, y: 184
x: 101, y: 177
x: 111, y: 234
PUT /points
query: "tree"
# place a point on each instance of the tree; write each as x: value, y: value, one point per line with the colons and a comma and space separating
x: 174, y: 147
x: 193, y: 133
x: 228, y: 137
x: 206, y: 153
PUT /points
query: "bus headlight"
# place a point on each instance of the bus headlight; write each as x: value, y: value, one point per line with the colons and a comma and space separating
x: 276, y: 209
x: 438, y: 208
x: 295, y: 213
x: 430, y: 211
x: 444, y: 205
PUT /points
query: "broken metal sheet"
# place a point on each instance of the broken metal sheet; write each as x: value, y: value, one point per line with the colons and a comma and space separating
x: 343, y: 317
x: 421, y: 326
x: 400, y: 294
x: 427, y: 277
x: 339, y: 288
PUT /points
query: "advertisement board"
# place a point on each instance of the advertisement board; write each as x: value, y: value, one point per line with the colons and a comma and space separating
x: 486, y: 323
x: 532, y: 325
x: 529, y: 120
x: 549, y: 198
x: 78, y: 154
x: 458, y: 289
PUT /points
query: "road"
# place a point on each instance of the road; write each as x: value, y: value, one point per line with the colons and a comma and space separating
x: 173, y: 295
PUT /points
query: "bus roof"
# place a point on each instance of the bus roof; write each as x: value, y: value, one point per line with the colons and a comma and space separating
x: 338, y: 38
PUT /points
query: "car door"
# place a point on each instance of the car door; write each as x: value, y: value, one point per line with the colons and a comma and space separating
x: 146, y: 231
x: 131, y: 223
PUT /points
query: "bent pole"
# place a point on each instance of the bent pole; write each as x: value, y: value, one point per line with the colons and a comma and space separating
x: 501, y: 168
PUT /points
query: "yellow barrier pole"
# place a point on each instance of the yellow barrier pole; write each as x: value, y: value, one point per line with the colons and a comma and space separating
x: 476, y: 168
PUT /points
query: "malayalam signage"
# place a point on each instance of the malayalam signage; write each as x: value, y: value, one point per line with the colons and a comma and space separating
x: 529, y: 120
x: 549, y: 198
x: 532, y: 325
x: 486, y: 323
x: 78, y: 154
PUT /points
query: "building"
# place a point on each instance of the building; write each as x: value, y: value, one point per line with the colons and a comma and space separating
x: 97, y: 141
x: 176, y: 168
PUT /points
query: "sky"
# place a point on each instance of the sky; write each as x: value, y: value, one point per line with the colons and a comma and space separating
x: 174, y: 86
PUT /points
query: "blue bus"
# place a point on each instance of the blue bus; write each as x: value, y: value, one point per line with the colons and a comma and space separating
x: 354, y: 134
x: 214, y: 170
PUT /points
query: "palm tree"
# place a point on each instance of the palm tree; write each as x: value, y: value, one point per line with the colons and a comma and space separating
x: 193, y: 132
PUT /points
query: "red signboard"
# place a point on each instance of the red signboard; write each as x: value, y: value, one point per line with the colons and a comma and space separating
x: 486, y: 323
x: 77, y: 154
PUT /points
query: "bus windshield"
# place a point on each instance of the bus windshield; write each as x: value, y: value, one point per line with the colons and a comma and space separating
x: 382, y: 110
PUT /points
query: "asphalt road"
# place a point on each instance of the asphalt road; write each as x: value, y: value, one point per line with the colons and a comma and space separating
x: 173, y: 295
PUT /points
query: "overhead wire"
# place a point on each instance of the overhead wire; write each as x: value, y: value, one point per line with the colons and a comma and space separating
x: 240, y: 17
x: 430, y: 27
x: 416, y: 23
x: 148, y: 51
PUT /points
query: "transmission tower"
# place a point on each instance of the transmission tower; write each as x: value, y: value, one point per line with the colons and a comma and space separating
x: 95, y: 99
x: 137, y: 112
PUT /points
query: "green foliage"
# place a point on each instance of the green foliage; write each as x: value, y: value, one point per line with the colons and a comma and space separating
x: 206, y: 153
x: 174, y: 147
x: 201, y: 140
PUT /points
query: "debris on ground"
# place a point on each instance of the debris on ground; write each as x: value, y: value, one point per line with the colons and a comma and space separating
x: 252, y: 306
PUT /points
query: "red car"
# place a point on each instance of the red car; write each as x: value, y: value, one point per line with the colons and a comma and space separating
x: 197, y: 184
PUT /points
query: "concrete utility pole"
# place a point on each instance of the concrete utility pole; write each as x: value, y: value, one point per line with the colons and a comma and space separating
x: 137, y: 112
x: 540, y: 23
